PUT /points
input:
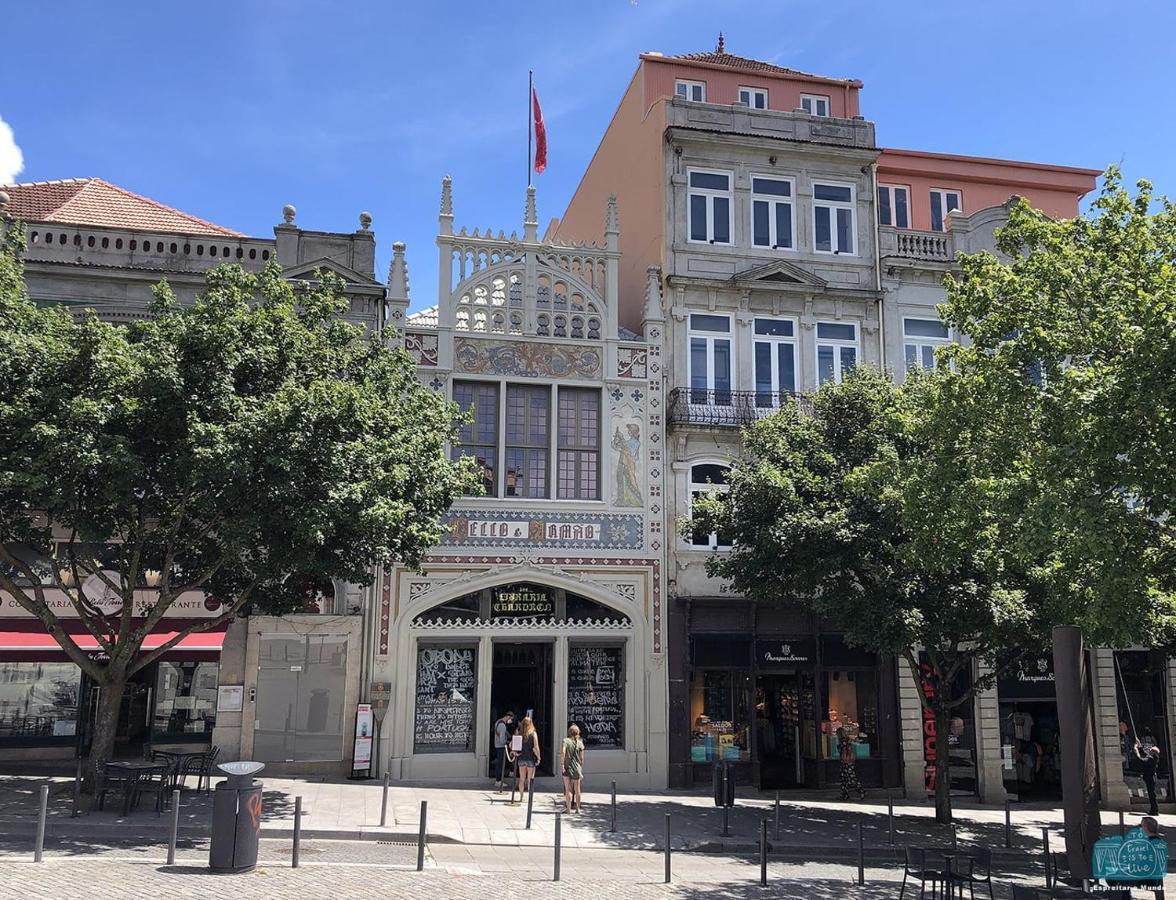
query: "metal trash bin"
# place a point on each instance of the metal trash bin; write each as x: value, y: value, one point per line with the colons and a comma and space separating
x: 722, y: 784
x: 236, y: 818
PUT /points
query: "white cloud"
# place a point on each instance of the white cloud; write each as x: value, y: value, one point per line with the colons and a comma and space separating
x: 11, y: 159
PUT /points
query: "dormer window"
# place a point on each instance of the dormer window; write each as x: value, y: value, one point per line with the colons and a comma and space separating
x: 756, y: 98
x: 815, y: 104
x: 691, y: 90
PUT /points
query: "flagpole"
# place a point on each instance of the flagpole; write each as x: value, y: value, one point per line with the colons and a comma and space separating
x: 530, y: 118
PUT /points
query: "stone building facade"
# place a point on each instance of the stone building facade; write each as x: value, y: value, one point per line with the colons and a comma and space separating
x: 546, y: 595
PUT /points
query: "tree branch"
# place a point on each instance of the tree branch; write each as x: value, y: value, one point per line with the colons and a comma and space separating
x: 145, y: 659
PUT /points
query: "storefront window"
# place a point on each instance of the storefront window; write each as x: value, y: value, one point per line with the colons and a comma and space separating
x: 185, y: 699
x: 718, y: 712
x: 1140, y: 691
x: 850, y: 704
x: 596, y: 691
x: 446, y: 694
x: 38, y: 699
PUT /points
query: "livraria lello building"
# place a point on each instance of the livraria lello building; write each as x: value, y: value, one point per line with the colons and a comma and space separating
x: 739, y: 238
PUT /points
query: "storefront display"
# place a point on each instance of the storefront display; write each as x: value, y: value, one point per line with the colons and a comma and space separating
x: 38, y: 700
x: 1139, y: 680
x: 185, y: 700
x: 1028, y: 711
x: 718, y: 709
x: 596, y: 694
x: 446, y: 698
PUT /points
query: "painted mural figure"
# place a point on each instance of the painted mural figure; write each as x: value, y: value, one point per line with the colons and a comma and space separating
x: 629, y: 450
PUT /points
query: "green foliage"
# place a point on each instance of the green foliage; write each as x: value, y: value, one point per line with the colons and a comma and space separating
x: 228, y: 445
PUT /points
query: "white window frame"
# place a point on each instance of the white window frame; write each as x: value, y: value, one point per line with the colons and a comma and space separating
x: 710, y: 194
x: 921, y: 342
x: 891, y: 189
x: 688, y: 87
x: 814, y: 102
x: 833, y: 206
x: 943, y: 192
x: 752, y: 94
x: 698, y: 487
x: 710, y: 337
x: 772, y: 200
x: 837, y: 344
x: 773, y: 341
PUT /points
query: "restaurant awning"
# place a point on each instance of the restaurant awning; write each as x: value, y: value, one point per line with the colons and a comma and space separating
x: 30, y: 636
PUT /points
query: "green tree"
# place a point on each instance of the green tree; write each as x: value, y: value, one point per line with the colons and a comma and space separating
x: 241, y: 447
x: 817, y: 518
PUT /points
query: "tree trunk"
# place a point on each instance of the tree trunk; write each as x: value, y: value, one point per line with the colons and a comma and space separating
x: 110, y: 695
x: 942, y: 764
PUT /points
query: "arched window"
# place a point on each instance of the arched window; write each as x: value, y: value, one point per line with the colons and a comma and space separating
x: 708, y: 478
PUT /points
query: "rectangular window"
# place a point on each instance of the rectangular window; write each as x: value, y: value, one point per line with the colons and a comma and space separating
x: 944, y: 201
x: 579, y: 444
x: 920, y: 338
x: 771, y: 212
x: 479, y: 438
x: 528, y: 440
x: 596, y: 695
x: 446, y: 697
x: 39, y: 700
x: 691, y: 90
x: 837, y: 350
x: 849, y: 708
x: 756, y: 98
x: 815, y: 104
x: 834, y: 218
x: 710, y: 359
x: 710, y: 207
x: 719, y: 719
x: 709, y: 480
x: 893, y: 205
x: 185, y: 699
x: 775, y: 361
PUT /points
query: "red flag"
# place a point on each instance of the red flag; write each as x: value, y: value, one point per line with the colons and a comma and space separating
x: 540, y: 135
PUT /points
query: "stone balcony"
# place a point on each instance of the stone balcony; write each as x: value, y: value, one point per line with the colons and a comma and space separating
x: 917, y: 246
x: 797, y: 125
x: 727, y: 409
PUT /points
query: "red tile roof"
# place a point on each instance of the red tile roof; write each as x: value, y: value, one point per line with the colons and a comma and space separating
x: 720, y: 57
x: 98, y: 203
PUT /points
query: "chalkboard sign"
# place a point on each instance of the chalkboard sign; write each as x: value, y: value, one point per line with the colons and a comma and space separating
x: 446, y: 695
x: 596, y: 690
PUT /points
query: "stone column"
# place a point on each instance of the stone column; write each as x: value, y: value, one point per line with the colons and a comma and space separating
x: 910, y: 715
x: 989, y: 763
x: 1112, y: 787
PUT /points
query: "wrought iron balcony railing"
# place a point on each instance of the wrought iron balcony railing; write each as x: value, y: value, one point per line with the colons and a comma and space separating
x: 728, y: 409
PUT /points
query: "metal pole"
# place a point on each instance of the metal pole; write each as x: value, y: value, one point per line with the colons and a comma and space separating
x: 502, y: 768
x: 558, y: 826
x: 1045, y: 850
x: 777, y: 815
x: 955, y: 840
x: 530, y: 113
x: 40, y: 848
x: 384, y: 803
x: 613, y: 827
x: 890, y: 814
x: 530, y: 800
x: 297, y: 833
x: 763, y: 852
x: 1122, y: 827
x: 175, y: 829
x: 861, y: 856
x: 421, y: 836
x: 666, y: 847
x: 726, y: 794
x: 1008, y: 824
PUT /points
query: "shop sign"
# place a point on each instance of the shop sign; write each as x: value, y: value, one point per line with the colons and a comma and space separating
x: 230, y: 697
x: 361, y: 757
x: 521, y: 603
x: 445, y: 695
x: 595, y: 695
x: 1031, y: 676
x: 779, y: 653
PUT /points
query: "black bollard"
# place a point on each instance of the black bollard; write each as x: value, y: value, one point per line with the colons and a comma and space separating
x: 297, y: 854
x: 77, y: 790
x: 613, y: 827
x: 39, y: 850
x: 890, y: 814
x: 726, y: 788
x: 1122, y: 827
x: 861, y: 856
x: 421, y: 836
x: 777, y: 815
x: 763, y: 852
x: 175, y: 829
x: 1008, y: 824
x: 1045, y: 851
x: 530, y: 800
x: 666, y: 847
x: 955, y: 838
x: 558, y: 826
x: 384, y: 803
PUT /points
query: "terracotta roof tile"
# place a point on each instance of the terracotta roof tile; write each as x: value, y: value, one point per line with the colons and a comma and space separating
x: 98, y: 203
x: 720, y: 57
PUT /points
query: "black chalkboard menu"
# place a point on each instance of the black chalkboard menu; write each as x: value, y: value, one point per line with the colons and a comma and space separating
x: 596, y: 690
x: 446, y: 695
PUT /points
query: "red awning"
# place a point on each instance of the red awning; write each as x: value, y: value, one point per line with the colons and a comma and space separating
x: 41, y: 640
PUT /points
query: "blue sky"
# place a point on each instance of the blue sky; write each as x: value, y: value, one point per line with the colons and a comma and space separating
x: 229, y: 110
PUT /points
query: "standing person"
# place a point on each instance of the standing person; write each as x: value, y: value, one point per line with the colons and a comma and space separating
x: 571, y: 763
x: 849, y: 776
x: 502, y: 729
x: 529, y: 756
x: 1149, y: 762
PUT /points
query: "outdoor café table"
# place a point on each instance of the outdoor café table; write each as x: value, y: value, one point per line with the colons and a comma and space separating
x: 132, y: 770
x: 179, y: 760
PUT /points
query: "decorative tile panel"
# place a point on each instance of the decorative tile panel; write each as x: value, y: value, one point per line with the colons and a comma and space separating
x: 422, y: 347
x: 529, y: 359
x: 631, y: 362
x: 499, y: 528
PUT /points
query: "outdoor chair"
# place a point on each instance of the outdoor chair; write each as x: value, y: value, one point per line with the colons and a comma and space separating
x: 172, y: 760
x: 201, y: 767
x: 158, y: 782
x: 918, y: 869
x: 978, y: 871
x: 108, y: 781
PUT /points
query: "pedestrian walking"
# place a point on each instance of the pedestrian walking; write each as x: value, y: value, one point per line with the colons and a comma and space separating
x: 849, y: 776
x: 1149, y: 762
x: 502, y: 729
x: 571, y: 764
x: 529, y: 756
